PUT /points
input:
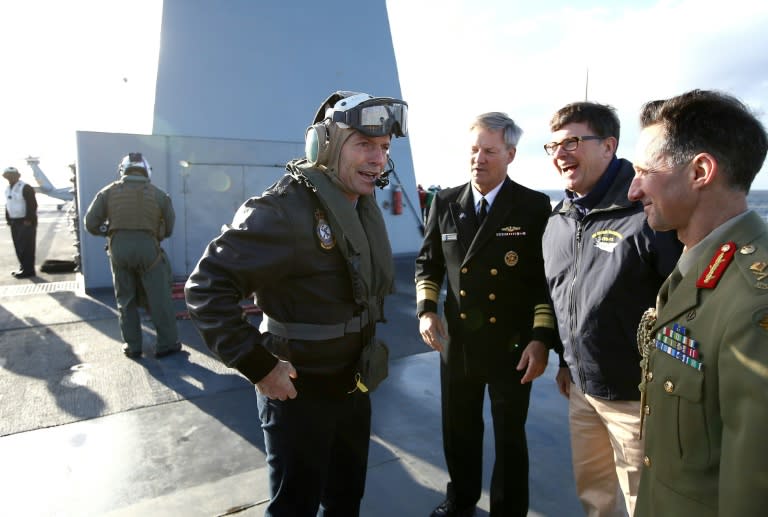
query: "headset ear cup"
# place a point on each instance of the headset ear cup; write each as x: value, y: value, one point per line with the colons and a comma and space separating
x: 316, y: 144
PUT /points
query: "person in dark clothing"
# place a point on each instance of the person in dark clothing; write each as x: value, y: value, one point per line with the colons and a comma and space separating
x: 485, y: 237
x: 604, y: 265
x: 314, y: 250
x: 21, y: 216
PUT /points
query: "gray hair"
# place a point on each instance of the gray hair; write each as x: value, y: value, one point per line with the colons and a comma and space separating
x: 495, y: 121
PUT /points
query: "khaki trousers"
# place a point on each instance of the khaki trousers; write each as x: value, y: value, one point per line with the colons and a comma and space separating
x: 607, y: 453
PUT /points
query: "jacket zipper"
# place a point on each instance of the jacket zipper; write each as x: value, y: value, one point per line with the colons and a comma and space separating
x: 573, y: 306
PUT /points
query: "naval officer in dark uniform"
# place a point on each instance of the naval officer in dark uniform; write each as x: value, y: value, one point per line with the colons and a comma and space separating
x: 706, y: 353
x: 485, y: 236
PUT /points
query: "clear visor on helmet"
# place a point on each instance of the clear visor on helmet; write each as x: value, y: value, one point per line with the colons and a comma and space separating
x: 376, y: 117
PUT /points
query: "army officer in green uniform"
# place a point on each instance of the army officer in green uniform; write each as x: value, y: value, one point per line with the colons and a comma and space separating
x: 705, y: 377
x: 135, y: 216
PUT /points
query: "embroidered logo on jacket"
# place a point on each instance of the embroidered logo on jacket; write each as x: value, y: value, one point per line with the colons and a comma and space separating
x: 323, y: 231
x: 606, y: 240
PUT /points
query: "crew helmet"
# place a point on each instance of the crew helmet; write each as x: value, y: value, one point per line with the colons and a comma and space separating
x: 11, y: 171
x: 135, y: 161
x: 345, y: 111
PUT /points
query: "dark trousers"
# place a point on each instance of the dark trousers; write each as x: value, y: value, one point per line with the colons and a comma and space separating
x: 317, y: 452
x: 24, y: 240
x: 462, y: 406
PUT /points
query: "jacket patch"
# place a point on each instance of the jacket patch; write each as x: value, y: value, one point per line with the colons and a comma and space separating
x: 323, y: 231
x: 606, y: 240
x: 511, y: 231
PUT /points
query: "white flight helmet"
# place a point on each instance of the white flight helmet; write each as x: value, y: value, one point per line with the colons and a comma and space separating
x: 135, y: 161
x: 10, y: 172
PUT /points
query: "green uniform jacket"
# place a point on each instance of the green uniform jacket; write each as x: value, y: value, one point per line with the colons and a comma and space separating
x: 706, y: 430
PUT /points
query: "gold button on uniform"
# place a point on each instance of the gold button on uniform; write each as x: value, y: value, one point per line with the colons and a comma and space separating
x: 494, y: 272
x: 649, y: 376
x: 464, y: 270
x: 647, y: 461
x: 462, y: 293
x: 491, y: 296
x: 647, y: 409
x: 492, y: 319
x: 463, y: 316
x: 669, y: 386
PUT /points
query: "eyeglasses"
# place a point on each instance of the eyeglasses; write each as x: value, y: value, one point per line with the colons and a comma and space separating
x: 376, y: 117
x: 569, y: 144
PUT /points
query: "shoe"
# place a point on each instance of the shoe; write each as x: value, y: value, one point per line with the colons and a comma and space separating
x: 23, y: 274
x: 131, y: 354
x: 449, y: 509
x: 14, y: 273
x: 162, y: 353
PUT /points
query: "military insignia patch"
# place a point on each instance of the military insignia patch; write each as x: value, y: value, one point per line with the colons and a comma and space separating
x: 606, y: 240
x: 323, y: 231
x: 720, y: 261
x: 511, y: 231
x: 675, y: 341
x: 511, y: 258
x: 747, y: 249
x: 759, y: 270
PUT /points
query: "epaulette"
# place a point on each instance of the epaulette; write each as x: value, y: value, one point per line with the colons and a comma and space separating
x: 753, y: 263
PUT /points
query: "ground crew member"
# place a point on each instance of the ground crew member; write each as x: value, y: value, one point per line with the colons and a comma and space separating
x: 135, y: 216
x: 21, y: 216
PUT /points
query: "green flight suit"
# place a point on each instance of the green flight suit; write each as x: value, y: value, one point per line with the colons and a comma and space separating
x: 706, y: 452
x: 141, y: 271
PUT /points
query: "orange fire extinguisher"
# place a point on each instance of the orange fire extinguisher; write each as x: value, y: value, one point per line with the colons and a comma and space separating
x: 397, y: 200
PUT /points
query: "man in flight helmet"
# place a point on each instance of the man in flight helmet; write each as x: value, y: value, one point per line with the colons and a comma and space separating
x: 135, y: 215
x: 21, y: 216
x: 314, y: 250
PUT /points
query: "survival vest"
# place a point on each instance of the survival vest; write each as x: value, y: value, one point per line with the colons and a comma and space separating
x: 134, y: 206
x: 15, y: 203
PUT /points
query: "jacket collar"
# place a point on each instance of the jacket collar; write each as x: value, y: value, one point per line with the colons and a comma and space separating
x: 686, y: 295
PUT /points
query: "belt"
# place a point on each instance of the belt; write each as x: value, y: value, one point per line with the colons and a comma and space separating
x: 313, y: 331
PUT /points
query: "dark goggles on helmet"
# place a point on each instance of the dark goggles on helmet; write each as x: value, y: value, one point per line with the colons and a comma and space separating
x: 380, y: 116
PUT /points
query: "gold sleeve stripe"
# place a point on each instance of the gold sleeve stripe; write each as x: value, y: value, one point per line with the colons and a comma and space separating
x: 427, y: 290
x: 543, y: 316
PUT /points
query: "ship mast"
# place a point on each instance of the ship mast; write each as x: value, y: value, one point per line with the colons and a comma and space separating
x: 586, y: 86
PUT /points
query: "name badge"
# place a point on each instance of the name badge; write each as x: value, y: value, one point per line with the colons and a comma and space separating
x: 449, y: 237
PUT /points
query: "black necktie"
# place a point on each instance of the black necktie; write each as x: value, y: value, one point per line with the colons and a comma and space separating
x: 482, y: 212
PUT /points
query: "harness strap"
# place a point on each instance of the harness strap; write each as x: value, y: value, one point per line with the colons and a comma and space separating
x: 312, y: 331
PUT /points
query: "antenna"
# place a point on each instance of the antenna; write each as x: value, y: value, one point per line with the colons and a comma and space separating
x: 586, y: 86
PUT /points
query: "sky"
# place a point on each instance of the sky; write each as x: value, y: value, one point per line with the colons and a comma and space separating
x: 460, y: 58
x: 74, y: 65
x: 91, y: 64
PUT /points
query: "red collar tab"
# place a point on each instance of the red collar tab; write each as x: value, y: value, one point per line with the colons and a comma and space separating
x: 717, y: 266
